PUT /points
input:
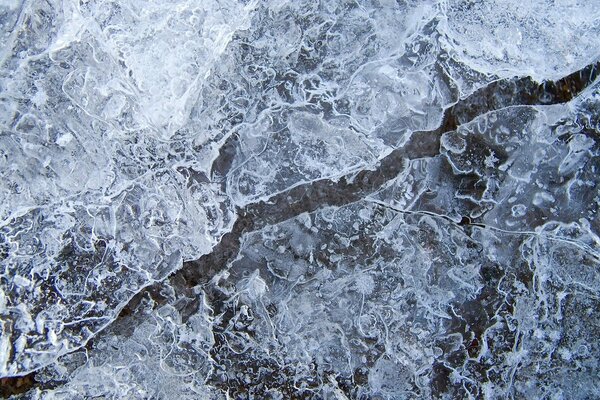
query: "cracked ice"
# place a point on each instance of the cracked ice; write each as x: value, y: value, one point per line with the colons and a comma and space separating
x: 299, y: 199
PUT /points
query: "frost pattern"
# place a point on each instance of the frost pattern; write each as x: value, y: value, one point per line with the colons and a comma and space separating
x: 346, y: 87
x: 136, y: 134
x: 101, y: 192
x: 367, y: 301
x: 545, y: 39
x: 154, y: 355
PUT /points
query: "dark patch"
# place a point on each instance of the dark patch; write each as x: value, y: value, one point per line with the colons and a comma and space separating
x: 440, y: 379
x: 11, y: 386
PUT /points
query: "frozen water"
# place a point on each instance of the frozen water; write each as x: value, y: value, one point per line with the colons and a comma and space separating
x: 296, y: 199
x: 545, y: 39
x: 98, y: 200
x: 155, y: 355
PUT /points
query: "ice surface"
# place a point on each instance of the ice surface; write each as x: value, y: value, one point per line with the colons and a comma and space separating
x: 95, y: 202
x: 275, y: 199
x: 336, y: 98
x: 545, y: 39
x: 154, y: 355
x: 391, y: 304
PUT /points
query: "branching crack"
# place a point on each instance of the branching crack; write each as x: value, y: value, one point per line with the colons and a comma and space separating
x: 309, y: 197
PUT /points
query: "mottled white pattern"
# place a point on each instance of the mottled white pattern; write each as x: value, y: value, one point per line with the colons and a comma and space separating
x: 134, y: 134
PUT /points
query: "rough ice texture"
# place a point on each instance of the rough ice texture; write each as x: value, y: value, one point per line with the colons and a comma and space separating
x: 377, y: 208
x: 101, y: 192
x: 542, y: 38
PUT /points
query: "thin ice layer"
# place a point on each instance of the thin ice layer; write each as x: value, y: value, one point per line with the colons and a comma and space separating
x: 96, y: 203
x: 159, y: 353
x: 543, y: 39
x: 366, y: 301
x: 330, y: 89
x: 469, y: 275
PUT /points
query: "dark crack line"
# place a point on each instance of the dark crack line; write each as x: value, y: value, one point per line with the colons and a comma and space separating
x: 351, y: 188
x: 309, y: 197
x: 466, y: 223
